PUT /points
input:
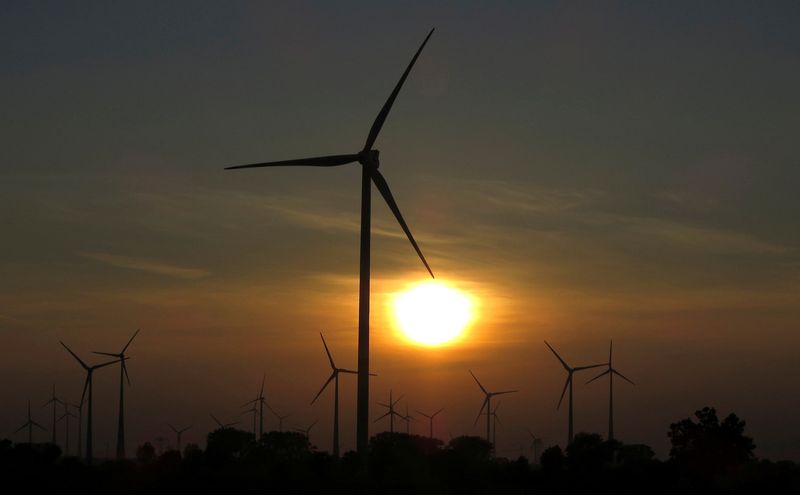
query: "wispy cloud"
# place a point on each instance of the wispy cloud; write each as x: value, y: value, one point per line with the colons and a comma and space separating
x: 145, y: 265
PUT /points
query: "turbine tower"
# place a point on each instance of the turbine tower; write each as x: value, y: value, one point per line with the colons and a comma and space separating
x: 123, y: 375
x: 430, y: 419
x: 335, y: 378
x: 88, y: 385
x: 391, y: 413
x: 611, y: 371
x: 368, y: 158
x: 178, y: 433
x: 487, y: 404
x: 55, y: 401
x: 29, y: 425
x: 495, y: 420
x: 79, y: 408
x: 65, y: 417
x: 568, y: 383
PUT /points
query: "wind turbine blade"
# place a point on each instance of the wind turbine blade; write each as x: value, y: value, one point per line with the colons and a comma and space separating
x: 328, y: 352
x: 383, y: 187
x: 622, y: 376
x: 48, y: 402
x: 380, y: 418
x: 383, y: 405
x: 610, y: 348
x: 566, y: 384
x: 599, y: 376
x: 272, y: 410
x: 108, y: 363
x: 330, y: 379
x: 74, y: 355
x: 531, y: 433
x: 217, y: 421
x: 317, y: 161
x: 437, y: 412
x: 250, y: 402
x: 581, y: 368
x: 172, y: 428
x: 129, y: 342
x: 481, y: 411
x: 125, y: 370
x: 106, y: 354
x: 187, y: 428
x: 505, y: 392
x: 21, y: 428
x: 420, y: 412
x: 563, y: 363
x: 85, y: 386
x: 34, y: 423
x: 263, y: 379
x: 397, y: 400
x: 476, y: 381
x: 381, y: 118
x: 344, y: 370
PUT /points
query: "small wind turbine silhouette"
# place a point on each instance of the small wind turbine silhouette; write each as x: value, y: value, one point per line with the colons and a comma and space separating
x: 55, y: 401
x: 222, y: 425
x: 391, y: 413
x: 260, y: 401
x: 123, y: 373
x: 430, y: 419
x: 88, y: 385
x: 568, y: 383
x: 280, y: 418
x: 611, y: 371
x: 306, y: 431
x: 335, y: 378
x: 368, y: 158
x: 178, y: 433
x: 29, y: 425
x: 253, y: 410
x: 408, y: 419
x: 535, y: 443
x: 487, y: 404
x: 65, y: 417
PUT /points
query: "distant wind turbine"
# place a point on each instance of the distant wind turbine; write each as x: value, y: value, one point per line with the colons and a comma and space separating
x: 123, y: 375
x: 391, y: 411
x: 260, y: 401
x: 88, y: 385
x: 307, y: 431
x: 65, y: 417
x: 611, y: 371
x: 568, y: 384
x: 430, y: 419
x: 178, y: 433
x: 253, y: 410
x: 79, y: 408
x: 55, y: 401
x: 408, y: 419
x: 222, y: 425
x: 368, y: 158
x: 335, y: 378
x: 495, y: 420
x: 280, y: 418
x: 487, y: 404
x: 535, y: 443
x: 29, y: 425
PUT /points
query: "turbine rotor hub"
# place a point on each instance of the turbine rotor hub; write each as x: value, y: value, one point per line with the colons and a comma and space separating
x: 370, y: 159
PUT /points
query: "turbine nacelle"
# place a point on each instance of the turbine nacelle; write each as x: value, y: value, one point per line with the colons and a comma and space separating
x: 369, y: 159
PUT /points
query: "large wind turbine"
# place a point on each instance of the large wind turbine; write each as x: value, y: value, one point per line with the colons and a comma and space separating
x: 260, y: 401
x: 391, y: 413
x: 335, y: 378
x: 55, y: 401
x: 611, y: 371
x: 88, y: 385
x: 368, y: 158
x: 66, y: 417
x: 30, y: 424
x: 487, y: 403
x: 123, y: 373
x: 568, y: 383
x: 178, y: 433
x: 430, y: 419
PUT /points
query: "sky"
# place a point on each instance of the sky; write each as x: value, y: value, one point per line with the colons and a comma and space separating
x: 623, y: 170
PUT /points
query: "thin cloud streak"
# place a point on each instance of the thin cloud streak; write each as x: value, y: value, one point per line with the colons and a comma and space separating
x: 145, y: 265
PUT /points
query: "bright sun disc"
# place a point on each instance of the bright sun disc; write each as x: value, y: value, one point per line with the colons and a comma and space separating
x: 432, y: 313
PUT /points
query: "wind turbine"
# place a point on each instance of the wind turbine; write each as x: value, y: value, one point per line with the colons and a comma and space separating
x: 408, y: 419
x: 280, y: 418
x: 179, y: 433
x: 123, y: 373
x: 391, y: 413
x: 307, y: 431
x: 65, y: 417
x: 79, y: 408
x: 253, y: 410
x: 568, y: 383
x: 535, y: 443
x: 368, y: 158
x: 611, y: 371
x: 487, y: 404
x: 222, y: 425
x: 495, y: 420
x: 335, y: 378
x: 88, y: 385
x: 30, y: 424
x: 260, y: 400
x: 430, y: 418
x: 55, y: 401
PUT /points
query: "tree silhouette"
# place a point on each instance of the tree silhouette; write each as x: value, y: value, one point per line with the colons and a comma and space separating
x: 707, y: 446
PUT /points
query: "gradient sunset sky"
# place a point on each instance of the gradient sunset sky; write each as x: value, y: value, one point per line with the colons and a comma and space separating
x: 623, y: 170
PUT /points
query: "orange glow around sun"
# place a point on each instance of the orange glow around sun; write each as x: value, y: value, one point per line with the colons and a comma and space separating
x: 432, y: 313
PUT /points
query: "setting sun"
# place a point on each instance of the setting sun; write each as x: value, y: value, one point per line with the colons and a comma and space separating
x: 432, y: 313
